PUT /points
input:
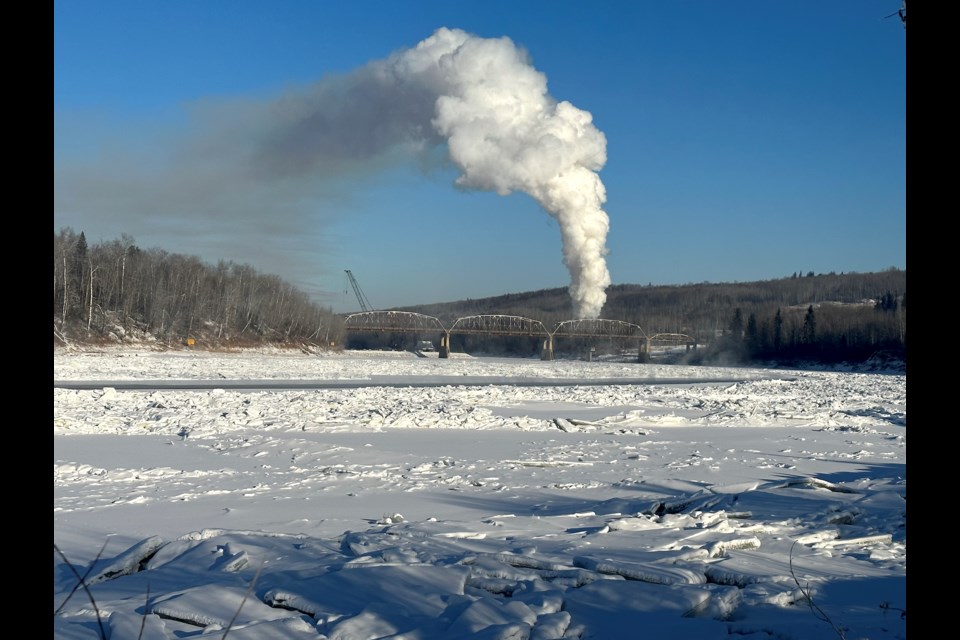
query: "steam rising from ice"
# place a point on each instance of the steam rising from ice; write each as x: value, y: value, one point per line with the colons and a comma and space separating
x: 480, y: 97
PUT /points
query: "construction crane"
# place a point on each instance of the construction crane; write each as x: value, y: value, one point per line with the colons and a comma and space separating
x: 362, y: 299
x: 902, y: 13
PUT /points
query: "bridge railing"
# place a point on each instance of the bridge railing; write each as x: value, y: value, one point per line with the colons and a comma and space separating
x: 399, y: 321
x: 501, y: 325
x: 597, y: 327
x: 668, y: 340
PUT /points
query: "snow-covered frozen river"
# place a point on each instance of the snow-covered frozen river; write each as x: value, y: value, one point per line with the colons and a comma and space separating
x: 681, y: 489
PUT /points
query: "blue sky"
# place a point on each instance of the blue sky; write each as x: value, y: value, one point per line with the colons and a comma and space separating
x: 744, y: 141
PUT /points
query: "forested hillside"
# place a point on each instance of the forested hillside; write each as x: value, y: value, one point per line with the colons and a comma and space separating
x: 826, y: 317
x: 118, y: 292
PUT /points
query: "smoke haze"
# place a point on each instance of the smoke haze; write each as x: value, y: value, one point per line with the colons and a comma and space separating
x: 478, y: 98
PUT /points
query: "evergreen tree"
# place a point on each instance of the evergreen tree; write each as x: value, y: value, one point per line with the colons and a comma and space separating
x: 78, y: 275
x: 753, y: 336
x: 79, y: 258
x: 736, y: 324
x: 778, y: 331
x: 809, y: 327
x: 887, y: 302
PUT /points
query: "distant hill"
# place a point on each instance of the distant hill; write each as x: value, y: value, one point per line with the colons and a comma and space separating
x: 812, y: 317
x: 702, y: 310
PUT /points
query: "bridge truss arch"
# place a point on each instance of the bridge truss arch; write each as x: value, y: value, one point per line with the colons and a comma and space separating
x: 400, y: 321
x: 593, y: 328
x: 671, y: 340
x: 597, y: 328
x: 501, y: 325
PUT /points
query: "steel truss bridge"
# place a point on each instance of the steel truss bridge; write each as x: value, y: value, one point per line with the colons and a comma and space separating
x: 672, y: 340
x: 505, y: 325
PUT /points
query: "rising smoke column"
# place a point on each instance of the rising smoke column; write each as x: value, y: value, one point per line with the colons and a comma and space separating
x: 506, y: 133
x: 478, y: 98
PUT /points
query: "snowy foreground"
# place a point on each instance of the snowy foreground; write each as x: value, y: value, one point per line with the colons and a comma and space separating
x: 482, y: 498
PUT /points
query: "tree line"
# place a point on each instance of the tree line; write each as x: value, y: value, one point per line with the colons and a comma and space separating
x: 117, y: 291
x: 826, y: 317
x: 824, y: 333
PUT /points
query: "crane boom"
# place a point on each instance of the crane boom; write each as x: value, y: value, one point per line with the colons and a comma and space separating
x: 362, y: 299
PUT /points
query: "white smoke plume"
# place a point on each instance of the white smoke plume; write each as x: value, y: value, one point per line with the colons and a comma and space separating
x: 506, y: 133
x: 479, y: 98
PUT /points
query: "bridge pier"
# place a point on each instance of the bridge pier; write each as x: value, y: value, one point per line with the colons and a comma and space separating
x: 547, y: 352
x: 444, y: 351
x: 643, y: 351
